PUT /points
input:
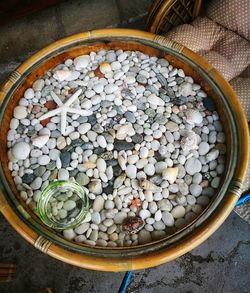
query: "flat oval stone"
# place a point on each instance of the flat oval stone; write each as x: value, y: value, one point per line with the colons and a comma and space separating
x: 21, y: 150
x: 120, y: 145
x: 69, y: 205
x: 168, y: 219
x: 178, y: 212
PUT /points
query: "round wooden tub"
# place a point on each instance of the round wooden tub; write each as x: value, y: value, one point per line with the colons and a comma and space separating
x: 123, y: 258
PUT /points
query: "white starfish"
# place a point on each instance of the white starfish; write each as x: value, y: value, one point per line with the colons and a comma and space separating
x: 64, y: 108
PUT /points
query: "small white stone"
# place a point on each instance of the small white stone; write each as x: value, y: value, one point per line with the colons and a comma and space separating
x: 143, y: 152
x: 98, y: 88
x: 158, y: 215
x: 159, y: 225
x: 38, y: 85
x: 122, y: 57
x: 120, y: 217
x: 98, y: 203
x: 144, y: 214
x: 84, y: 128
x: 101, y: 165
x: 193, y: 166
x: 131, y: 171
x: 116, y: 65
x: 43, y: 160
x: 54, y: 154
x: 168, y: 219
x: 101, y: 141
x: 203, y: 148
x: 195, y: 189
x: 61, y: 143
x: 81, y: 62
x: 82, y: 228
x: 130, y: 79
x: 14, y: 123
x: 178, y: 212
x: 149, y: 169
x: 36, y: 184
x: 133, y: 159
x: 69, y: 234
x: 109, y: 204
x: 152, y: 207
x: 29, y: 94
x: 110, y: 88
x: 63, y: 174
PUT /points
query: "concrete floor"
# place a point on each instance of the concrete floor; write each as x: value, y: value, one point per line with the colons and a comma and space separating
x: 220, y: 265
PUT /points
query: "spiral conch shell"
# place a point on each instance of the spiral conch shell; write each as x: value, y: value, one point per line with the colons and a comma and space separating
x: 170, y: 174
x: 147, y: 185
x: 193, y: 116
x: 123, y: 131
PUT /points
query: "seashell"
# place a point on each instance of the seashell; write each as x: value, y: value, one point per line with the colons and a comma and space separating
x: 123, y: 131
x: 162, y: 80
x: 119, y: 180
x: 147, y: 185
x: 40, y: 141
x: 193, y: 116
x: 170, y: 174
x: 105, y: 67
x: 183, y: 108
x: 185, y: 89
x: 189, y: 141
x: 95, y: 187
x: 89, y: 165
x: 122, y: 162
x: 62, y: 75
x: 154, y: 100
x: 132, y: 225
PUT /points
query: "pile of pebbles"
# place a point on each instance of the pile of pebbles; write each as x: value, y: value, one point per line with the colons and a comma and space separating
x: 150, y: 149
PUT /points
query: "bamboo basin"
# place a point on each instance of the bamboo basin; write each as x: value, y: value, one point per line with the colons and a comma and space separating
x: 142, y: 256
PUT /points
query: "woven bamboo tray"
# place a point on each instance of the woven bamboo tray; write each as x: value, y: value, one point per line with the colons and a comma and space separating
x: 158, y: 252
x: 165, y: 14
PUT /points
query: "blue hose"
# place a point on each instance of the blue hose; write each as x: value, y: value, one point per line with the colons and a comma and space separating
x: 125, y: 282
x: 245, y: 197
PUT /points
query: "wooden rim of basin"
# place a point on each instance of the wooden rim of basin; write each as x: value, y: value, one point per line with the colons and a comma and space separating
x: 188, y: 243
